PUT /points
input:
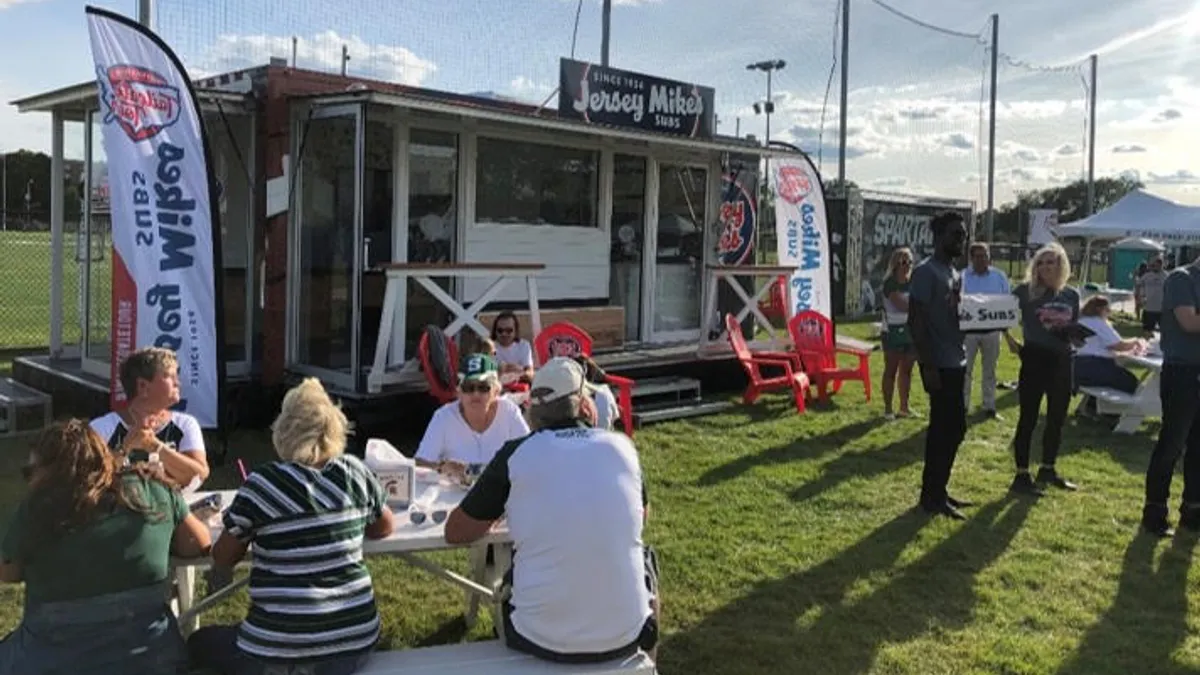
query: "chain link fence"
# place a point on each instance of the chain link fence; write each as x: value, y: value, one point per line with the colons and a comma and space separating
x: 25, y: 263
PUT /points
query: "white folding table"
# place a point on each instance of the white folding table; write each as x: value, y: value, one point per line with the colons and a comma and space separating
x: 408, y: 541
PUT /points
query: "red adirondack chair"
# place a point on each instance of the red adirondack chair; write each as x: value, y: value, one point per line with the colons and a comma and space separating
x: 566, y: 339
x: 775, y: 305
x: 440, y: 376
x: 753, y: 362
x: 812, y: 336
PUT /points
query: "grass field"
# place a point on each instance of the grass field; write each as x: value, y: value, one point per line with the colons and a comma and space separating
x: 789, y: 544
x: 25, y: 291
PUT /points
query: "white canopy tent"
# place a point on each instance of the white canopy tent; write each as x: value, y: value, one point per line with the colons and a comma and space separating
x: 1139, y: 214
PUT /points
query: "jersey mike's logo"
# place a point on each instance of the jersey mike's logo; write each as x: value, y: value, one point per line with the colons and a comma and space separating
x: 140, y: 100
x: 738, y: 223
x: 794, y: 184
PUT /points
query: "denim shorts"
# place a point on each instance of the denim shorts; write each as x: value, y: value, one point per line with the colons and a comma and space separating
x: 116, y: 634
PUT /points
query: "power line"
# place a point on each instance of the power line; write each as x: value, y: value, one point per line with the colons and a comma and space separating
x: 924, y: 24
x: 837, y: 22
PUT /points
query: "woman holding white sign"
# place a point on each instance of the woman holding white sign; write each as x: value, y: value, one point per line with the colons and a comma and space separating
x: 1049, y: 310
x: 899, y: 353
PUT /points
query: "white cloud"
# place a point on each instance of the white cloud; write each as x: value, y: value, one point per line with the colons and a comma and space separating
x: 322, y: 51
x: 5, y: 4
x: 29, y: 131
x: 889, y: 182
x: 1068, y: 150
x: 1177, y: 177
x: 1168, y: 115
x: 1126, y: 148
x: 525, y: 87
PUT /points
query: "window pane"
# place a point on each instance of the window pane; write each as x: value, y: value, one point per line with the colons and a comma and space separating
x: 535, y: 184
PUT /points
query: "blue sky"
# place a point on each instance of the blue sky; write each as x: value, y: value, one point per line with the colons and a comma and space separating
x: 914, y: 106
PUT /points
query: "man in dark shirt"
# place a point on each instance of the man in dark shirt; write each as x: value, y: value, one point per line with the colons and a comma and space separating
x: 1179, y: 391
x: 934, y: 296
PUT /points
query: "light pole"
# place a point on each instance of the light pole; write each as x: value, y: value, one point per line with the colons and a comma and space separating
x: 767, y: 106
x: 4, y: 192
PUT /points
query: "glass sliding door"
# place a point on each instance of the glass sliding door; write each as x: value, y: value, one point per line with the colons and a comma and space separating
x: 432, y: 223
x: 232, y: 146
x: 327, y: 254
x: 92, y: 253
x: 627, y: 241
x: 678, y: 266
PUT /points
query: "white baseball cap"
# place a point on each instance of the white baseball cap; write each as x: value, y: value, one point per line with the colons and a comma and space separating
x: 561, y: 376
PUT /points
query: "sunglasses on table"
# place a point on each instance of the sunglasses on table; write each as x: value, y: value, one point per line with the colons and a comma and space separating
x: 419, y: 517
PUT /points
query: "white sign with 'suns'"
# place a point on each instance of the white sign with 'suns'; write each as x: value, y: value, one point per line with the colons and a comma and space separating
x: 988, y: 312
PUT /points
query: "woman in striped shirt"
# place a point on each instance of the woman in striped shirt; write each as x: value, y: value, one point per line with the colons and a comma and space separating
x: 311, y: 601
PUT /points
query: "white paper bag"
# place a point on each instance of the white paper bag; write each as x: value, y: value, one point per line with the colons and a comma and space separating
x: 397, y: 473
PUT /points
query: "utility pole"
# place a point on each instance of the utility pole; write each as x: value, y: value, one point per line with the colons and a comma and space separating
x: 4, y: 192
x: 1091, y: 170
x: 991, y: 185
x: 845, y: 93
x: 345, y: 58
x: 605, y: 31
x: 146, y: 13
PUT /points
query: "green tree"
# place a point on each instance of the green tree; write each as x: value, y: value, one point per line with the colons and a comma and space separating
x: 30, y: 171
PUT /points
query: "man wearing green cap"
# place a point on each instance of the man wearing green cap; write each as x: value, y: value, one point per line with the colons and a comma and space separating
x: 467, y: 432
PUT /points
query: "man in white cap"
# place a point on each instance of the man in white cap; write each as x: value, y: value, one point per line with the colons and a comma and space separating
x: 582, y: 587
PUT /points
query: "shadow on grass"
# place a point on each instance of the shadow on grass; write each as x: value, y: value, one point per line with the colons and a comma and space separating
x: 450, y: 632
x: 1147, y: 620
x: 1006, y: 406
x: 1132, y: 452
x: 866, y: 465
x: 803, y: 448
x: 805, y: 623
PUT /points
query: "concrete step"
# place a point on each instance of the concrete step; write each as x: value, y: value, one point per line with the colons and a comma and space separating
x: 23, y: 409
x: 663, y: 412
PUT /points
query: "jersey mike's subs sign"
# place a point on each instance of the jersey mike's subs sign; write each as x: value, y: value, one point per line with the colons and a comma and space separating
x: 620, y: 98
x: 988, y: 312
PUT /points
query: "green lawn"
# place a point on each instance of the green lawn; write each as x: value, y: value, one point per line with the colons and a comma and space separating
x: 25, y: 290
x: 789, y: 544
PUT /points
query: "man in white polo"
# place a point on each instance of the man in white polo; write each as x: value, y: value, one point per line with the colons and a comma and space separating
x: 582, y: 587
x: 980, y: 278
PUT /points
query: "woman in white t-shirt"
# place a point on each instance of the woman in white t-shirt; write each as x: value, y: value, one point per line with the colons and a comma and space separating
x: 465, y: 433
x: 514, y: 355
x: 1094, y: 362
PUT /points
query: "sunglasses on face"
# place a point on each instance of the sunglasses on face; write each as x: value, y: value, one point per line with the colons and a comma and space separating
x: 905, y: 263
x: 419, y: 517
x: 475, y: 388
x: 505, y: 331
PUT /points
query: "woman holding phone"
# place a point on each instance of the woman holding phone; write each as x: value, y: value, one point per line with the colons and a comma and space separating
x: 1049, y: 312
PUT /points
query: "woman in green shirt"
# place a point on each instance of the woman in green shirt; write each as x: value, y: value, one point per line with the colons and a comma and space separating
x: 899, y: 352
x: 93, y: 546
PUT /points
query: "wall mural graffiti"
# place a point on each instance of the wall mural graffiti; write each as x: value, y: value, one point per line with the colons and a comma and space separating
x: 888, y: 225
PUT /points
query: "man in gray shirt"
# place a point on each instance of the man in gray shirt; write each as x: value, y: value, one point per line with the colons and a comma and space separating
x: 934, y: 296
x: 1149, y: 289
x: 1179, y: 390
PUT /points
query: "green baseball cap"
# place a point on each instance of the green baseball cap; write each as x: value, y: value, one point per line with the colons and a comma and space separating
x: 477, y: 367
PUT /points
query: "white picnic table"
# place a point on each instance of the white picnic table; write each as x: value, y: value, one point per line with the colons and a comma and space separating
x: 407, y: 541
x: 1132, y: 408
